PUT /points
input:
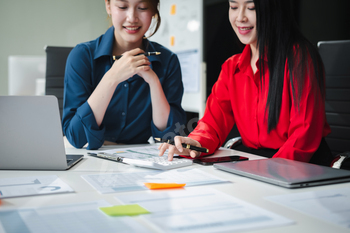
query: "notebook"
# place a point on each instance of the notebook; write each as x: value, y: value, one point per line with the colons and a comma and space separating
x: 31, y: 134
x: 286, y: 173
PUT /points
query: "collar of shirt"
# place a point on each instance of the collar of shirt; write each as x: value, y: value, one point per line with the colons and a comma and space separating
x: 105, y: 46
x: 244, y: 59
x: 243, y: 63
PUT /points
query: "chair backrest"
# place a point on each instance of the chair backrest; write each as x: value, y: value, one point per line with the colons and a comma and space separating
x: 336, y: 58
x: 56, y: 58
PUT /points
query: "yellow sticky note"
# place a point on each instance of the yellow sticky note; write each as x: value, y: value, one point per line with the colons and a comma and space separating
x: 163, y: 185
x: 124, y: 210
x: 172, y: 40
x: 173, y: 9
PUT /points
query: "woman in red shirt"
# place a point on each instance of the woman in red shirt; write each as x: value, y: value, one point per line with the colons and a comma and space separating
x: 273, y: 91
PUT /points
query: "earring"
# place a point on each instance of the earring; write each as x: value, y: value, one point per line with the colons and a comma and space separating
x: 109, y: 15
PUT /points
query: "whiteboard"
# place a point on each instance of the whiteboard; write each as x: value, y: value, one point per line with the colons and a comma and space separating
x: 181, y: 31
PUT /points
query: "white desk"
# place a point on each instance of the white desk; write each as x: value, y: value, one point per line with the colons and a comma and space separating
x: 243, y: 188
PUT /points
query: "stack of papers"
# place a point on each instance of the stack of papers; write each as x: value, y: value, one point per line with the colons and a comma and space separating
x: 202, y: 210
x: 34, y: 185
x: 122, y: 182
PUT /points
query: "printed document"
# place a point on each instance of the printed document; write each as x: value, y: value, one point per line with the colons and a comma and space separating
x: 34, y: 185
x: 143, y: 152
x: 202, y: 210
x: 82, y: 217
x: 328, y: 205
x: 122, y: 182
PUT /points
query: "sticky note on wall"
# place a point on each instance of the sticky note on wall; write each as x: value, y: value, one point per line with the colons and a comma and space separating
x: 173, y: 9
x: 172, y: 40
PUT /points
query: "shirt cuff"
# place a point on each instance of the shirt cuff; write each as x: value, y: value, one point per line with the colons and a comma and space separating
x: 94, y: 133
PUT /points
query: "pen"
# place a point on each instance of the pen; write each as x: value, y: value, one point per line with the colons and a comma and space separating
x: 184, y: 145
x: 107, y: 156
x: 146, y: 54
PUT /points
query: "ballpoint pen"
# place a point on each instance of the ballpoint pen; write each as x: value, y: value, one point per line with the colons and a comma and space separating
x: 146, y: 54
x: 184, y: 145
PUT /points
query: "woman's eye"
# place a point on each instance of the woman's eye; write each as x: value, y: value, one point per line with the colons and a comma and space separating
x: 122, y: 7
x: 143, y: 7
x: 251, y: 8
x: 233, y: 8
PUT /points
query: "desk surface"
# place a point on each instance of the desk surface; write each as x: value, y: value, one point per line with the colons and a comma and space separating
x: 243, y: 188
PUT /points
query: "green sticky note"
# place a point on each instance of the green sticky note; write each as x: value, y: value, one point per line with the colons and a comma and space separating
x: 124, y: 210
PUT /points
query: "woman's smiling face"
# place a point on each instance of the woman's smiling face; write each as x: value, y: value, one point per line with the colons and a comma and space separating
x: 243, y: 20
x: 131, y: 19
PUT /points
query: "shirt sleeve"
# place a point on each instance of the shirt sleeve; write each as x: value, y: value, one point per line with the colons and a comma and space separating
x: 307, y: 123
x: 173, y: 90
x: 79, y: 124
x: 218, y: 119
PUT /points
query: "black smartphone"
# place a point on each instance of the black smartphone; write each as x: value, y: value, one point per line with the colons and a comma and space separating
x: 211, y: 161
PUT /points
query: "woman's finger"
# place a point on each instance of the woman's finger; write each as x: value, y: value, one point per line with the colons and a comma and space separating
x: 171, y: 151
x: 162, y: 148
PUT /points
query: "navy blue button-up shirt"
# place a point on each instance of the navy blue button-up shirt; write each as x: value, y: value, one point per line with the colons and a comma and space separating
x: 128, y: 118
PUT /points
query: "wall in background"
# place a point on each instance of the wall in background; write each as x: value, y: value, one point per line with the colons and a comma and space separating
x: 27, y: 26
x: 324, y: 20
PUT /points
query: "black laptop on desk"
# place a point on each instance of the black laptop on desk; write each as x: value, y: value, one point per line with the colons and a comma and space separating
x: 286, y: 173
x: 31, y: 134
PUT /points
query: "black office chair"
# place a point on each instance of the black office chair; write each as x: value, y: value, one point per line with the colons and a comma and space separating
x: 55, y: 67
x: 336, y: 59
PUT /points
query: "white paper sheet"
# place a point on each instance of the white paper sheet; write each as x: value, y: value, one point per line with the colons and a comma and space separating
x: 202, y: 210
x: 329, y: 205
x: 34, y: 185
x: 82, y: 217
x: 143, y: 152
x: 121, y: 182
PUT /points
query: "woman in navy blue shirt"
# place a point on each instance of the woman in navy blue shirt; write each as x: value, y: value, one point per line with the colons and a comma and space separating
x: 129, y: 99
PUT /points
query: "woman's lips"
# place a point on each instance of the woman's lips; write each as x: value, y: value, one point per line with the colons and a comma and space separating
x: 131, y: 29
x: 244, y: 30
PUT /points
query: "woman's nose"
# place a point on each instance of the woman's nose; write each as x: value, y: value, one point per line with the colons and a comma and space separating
x: 132, y: 15
x: 241, y: 16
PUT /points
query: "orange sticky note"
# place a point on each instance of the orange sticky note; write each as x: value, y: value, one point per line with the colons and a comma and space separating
x: 173, y: 9
x: 172, y: 40
x: 163, y: 185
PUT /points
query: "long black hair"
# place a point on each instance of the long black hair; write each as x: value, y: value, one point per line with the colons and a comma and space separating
x: 280, y: 41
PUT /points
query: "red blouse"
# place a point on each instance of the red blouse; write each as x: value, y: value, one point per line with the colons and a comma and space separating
x: 237, y: 98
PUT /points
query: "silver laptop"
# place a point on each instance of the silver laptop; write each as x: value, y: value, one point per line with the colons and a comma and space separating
x: 31, y: 134
x: 286, y: 173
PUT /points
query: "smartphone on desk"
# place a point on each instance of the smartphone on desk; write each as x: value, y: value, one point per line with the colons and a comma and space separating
x: 211, y: 161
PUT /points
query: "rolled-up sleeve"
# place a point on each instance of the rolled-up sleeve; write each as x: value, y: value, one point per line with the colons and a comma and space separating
x: 79, y: 124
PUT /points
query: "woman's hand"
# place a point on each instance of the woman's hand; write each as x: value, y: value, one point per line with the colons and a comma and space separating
x: 128, y: 65
x: 178, y: 149
x: 149, y: 76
